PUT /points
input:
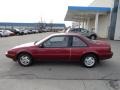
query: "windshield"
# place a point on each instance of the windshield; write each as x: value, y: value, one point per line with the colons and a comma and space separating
x: 40, y: 41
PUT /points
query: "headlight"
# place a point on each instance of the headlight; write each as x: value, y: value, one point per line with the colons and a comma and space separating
x: 6, y: 52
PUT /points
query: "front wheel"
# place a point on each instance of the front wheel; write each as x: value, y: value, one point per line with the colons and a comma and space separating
x: 25, y: 60
x: 89, y: 60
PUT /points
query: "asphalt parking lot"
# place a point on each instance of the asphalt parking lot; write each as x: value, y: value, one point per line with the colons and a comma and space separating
x: 11, y: 73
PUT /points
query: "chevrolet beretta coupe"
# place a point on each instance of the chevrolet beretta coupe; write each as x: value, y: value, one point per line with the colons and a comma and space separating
x: 62, y: 47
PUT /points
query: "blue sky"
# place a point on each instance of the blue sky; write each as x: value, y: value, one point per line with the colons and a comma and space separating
x: 33, y: 10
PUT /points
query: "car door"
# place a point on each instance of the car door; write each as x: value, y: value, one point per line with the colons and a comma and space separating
x: 78, y: 47
x: 55, y: 48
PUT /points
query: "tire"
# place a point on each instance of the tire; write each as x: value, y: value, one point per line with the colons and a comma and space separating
x: 93, y: 37
x: 89, y: 60
x: 0, y: 35
x: 25, y: 59
x: 18, y: 33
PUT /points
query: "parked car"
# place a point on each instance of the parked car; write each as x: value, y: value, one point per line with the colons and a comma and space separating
x: 10, y: 33
x: 62, y: 47
x: 84, y: 32
x: 4, y: 33
x: 32, y: 31
x: 25, y: 32
x: 35, y: 31
x: 17, y: 31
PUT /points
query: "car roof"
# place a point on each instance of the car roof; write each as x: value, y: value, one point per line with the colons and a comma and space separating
x: 66, y: 34
x: 72, y: 34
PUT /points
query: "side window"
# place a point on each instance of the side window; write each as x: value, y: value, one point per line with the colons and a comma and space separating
x: 77, y: 42
x: 57, y: 41
x: 79, y: 30
x: 74, y: 30
x: 83, y: 31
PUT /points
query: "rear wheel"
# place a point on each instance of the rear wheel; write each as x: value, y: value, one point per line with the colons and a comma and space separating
x: 25, y: 59
x: 93, y: 37
x: 89, y: 60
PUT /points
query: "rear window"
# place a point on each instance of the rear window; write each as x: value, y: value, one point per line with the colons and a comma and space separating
x: 77, y: 42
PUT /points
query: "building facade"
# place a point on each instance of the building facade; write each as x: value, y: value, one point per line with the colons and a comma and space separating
x: 98, y: 17
x: 117, y: 29
x: 114, y: 30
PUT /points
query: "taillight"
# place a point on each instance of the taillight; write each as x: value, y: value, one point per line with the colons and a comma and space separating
x: 109, y: 49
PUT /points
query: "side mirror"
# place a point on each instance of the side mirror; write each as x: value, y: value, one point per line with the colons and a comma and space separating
x: 41, y: 45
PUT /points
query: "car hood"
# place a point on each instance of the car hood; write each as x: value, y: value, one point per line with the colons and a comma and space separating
x: 24, y: 45
x: 101, y: 43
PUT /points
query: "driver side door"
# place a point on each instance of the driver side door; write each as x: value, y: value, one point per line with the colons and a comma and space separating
x: 55, y: 48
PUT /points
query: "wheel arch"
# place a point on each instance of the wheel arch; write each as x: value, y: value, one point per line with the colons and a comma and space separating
x: 23, y: 52
x: 93, y: 35
x: 90, y: 53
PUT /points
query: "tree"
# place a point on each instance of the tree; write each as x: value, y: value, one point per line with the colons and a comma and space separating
x: 41, y: 25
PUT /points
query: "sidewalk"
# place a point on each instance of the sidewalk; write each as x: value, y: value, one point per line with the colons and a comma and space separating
x: 40, y: 84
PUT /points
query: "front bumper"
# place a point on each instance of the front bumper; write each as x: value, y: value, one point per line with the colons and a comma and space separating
x: 12, y: 56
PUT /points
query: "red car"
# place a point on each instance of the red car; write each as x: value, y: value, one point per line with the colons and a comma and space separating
x: 62, y: 47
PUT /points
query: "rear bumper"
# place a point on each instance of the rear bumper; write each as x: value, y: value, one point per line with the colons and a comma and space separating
x: 106, y: 56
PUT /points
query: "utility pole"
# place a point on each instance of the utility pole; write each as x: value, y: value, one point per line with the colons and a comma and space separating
x: 51, y: 25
